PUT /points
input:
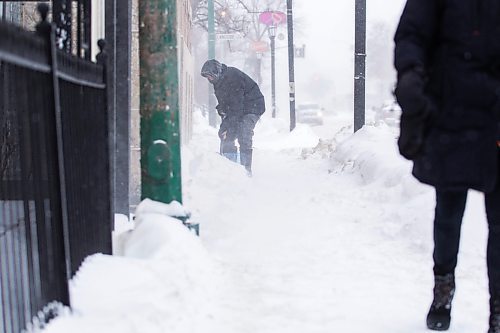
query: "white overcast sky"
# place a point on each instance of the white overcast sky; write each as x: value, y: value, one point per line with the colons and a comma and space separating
x: 327, y: 28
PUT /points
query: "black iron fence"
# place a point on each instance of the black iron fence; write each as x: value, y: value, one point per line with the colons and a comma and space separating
x: 55, y: 184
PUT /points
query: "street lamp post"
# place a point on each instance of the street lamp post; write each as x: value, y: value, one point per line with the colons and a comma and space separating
x: 272, y: 37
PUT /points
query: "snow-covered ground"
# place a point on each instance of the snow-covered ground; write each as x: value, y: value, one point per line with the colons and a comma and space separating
x: 328, y: 236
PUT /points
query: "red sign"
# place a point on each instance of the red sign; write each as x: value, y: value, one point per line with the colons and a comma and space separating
x: 272, y: 18
x: 259, y: 46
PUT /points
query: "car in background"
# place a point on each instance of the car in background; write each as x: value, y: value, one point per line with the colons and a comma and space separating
x: 310, y: 113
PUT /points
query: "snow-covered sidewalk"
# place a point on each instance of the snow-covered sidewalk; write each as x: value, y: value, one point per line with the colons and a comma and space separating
x: 336, y: 238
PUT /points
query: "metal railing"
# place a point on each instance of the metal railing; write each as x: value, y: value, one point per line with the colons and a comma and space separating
x: 55, y: 184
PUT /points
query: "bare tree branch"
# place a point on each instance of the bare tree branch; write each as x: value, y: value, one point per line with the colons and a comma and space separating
x: 240, y: 16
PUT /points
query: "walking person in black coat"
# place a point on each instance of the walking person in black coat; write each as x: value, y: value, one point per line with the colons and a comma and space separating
x: 448, y: 61
x: 241, y: 104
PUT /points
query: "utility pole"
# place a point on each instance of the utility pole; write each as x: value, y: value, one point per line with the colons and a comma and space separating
x: 123, y: 44
x: 212, y: 117
x: 291, y: 64
x: 118, y: 30
x: 359, y: 64
x: 159, y: 90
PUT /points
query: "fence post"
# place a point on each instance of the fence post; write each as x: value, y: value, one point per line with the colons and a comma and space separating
x: 47, y: 30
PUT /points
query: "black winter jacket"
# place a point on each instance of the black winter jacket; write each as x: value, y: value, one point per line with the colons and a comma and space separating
x: 457, y: 42
x: 237, y: 94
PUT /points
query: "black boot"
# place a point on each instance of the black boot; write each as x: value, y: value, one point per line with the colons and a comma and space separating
x: 438, y: 318
x: 494, y: 315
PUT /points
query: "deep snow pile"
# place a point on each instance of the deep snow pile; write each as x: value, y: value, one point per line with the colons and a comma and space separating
x: 161, y: 282
x: 371, y: 157
x: 330, y: 235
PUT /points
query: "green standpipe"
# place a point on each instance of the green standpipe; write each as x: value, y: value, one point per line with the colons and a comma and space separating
x: 159, y: 93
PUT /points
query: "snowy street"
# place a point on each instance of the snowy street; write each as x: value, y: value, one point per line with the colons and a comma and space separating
x: 247, y: 166
x: 309, y: 251
x: 332, y: 239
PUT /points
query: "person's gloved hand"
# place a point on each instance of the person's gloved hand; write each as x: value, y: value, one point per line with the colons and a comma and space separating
x: 221, y: 112
x: 417, y: 109
x: 413, y: 129
x: 228, y: 124
x: 410, y: 91
x: 222, y: 134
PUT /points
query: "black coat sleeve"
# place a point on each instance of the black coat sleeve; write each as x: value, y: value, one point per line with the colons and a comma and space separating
x: 417, y: 30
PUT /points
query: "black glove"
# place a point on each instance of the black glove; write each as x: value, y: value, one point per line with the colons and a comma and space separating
x: 410, y: 92
x: 417, y: 111
x: 413, y: 130
x: 220, y: 111
x: 228, y: 124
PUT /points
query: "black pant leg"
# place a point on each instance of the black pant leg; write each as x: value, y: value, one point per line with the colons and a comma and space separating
x: 245, y: 139
x: 492, y: 202
x: 450, y: 206
x: 230, y: 127
x: 228, y: 147
x: 245, y: 134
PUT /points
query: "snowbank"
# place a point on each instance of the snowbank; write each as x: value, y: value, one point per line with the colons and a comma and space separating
x: 372, y: 154
x: 371, y: 158
x: 162, y: 283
